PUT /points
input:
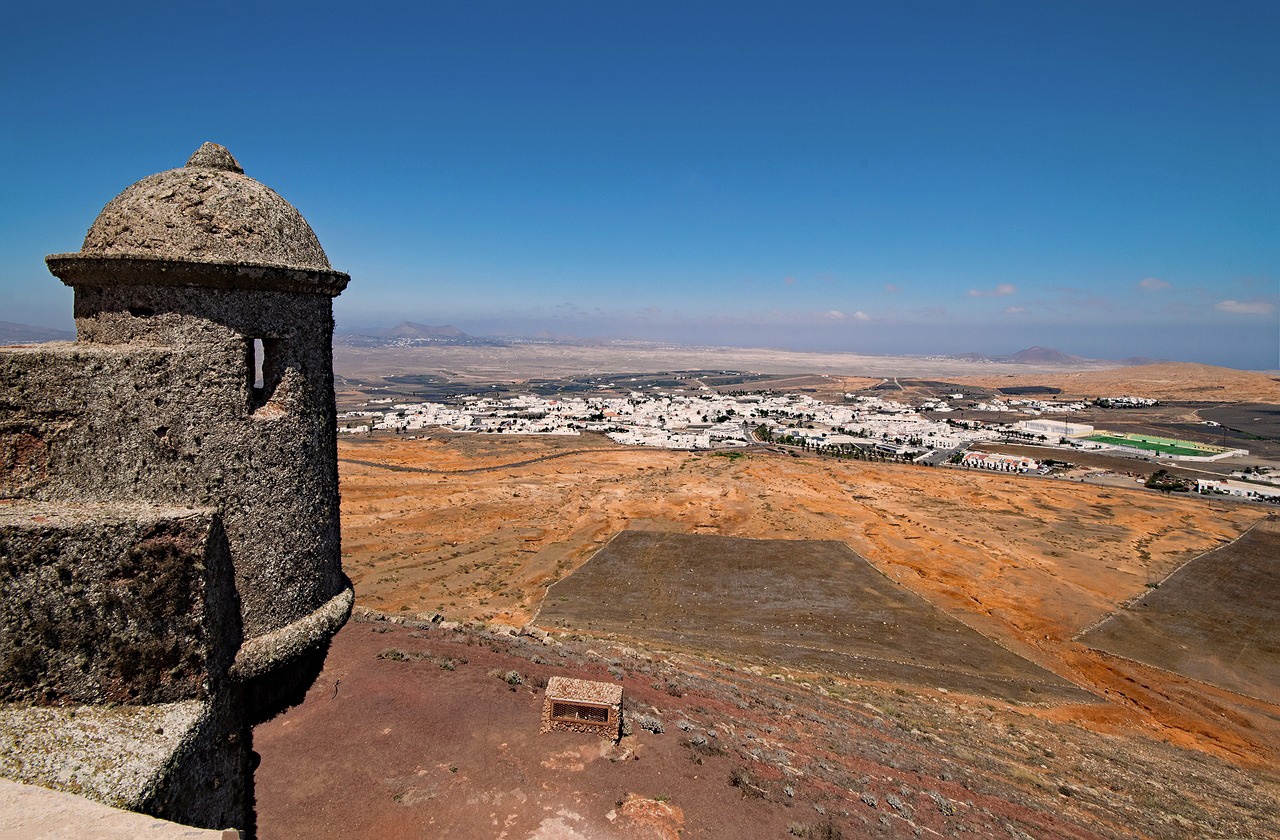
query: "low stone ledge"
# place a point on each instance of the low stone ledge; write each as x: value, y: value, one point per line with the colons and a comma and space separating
x: 112, y: 754
x: 135, y: 270
x: 415, y: 621
x: 37, y: 813
x: 265, y: 653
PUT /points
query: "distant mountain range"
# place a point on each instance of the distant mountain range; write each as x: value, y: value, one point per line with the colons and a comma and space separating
x: 11, y: 333
x: 1047, y: 356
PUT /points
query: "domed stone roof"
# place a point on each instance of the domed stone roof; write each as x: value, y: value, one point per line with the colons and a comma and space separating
x: 208, y: 211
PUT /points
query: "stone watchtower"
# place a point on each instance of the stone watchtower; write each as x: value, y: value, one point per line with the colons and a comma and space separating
x: 169, y: 535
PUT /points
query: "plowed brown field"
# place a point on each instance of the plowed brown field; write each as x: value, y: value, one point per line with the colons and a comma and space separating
x: 1216, y: 619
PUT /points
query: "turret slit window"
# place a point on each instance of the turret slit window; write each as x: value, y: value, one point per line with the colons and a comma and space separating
x: 264, y: 369
x: 257, y: 364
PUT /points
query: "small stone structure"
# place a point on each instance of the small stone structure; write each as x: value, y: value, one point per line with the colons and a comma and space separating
x: 582, y: 706
x: 169, y: 542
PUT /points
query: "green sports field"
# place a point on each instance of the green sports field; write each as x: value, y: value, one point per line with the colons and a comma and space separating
x: 1164, y: 446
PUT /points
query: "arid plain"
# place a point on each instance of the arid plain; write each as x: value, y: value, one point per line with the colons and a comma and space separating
x: 1027, y: 562
x: 477, y: 527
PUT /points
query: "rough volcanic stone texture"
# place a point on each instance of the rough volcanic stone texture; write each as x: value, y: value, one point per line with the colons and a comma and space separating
x: 26, y: 451
x: 98, y: 270
x: 208, y: 782
x: 590, y: 692
x: 206, y: 212
x: 113, y: 604
x: 116, y: 752
x: 161, y: 407
x: 586, y: 691
x: 183, y: 279
x: 215, y: 156
x: 189, y: 762
x: 191, y: 316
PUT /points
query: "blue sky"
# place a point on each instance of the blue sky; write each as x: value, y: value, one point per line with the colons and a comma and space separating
x: 1099, y: 177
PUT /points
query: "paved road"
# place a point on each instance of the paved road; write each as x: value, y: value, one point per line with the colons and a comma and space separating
x: 941, y: 456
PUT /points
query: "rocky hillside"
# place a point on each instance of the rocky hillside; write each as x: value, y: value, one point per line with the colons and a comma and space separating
x: 432, y: 727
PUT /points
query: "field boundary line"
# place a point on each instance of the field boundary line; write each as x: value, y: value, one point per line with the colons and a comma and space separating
x: 1180, y: 675
x: 1130, y: 603
x: 511, y: 465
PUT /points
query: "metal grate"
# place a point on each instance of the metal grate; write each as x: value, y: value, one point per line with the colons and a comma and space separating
x: 579, y: 712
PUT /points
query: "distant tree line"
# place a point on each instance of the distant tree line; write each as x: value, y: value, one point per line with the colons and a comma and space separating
x: 1165, y: 482
x: 835, y: 450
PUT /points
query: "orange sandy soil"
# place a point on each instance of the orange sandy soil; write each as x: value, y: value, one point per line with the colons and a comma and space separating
x: 1029, y: 562
x: 1166, y: 381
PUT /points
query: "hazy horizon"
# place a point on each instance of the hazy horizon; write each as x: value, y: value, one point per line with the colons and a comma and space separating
x: 1162, y: 343
x: 880, y: 339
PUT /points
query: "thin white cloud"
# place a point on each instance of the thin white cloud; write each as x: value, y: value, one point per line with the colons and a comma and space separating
x: 1153, y: 284
x: 835, y: 314
x: 1001, y: 290
x: 1015, y: 310
x: 1244, y: 307
x: 861, y: 316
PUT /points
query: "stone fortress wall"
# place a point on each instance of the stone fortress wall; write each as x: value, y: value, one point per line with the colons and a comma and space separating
x: 169, y: 533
